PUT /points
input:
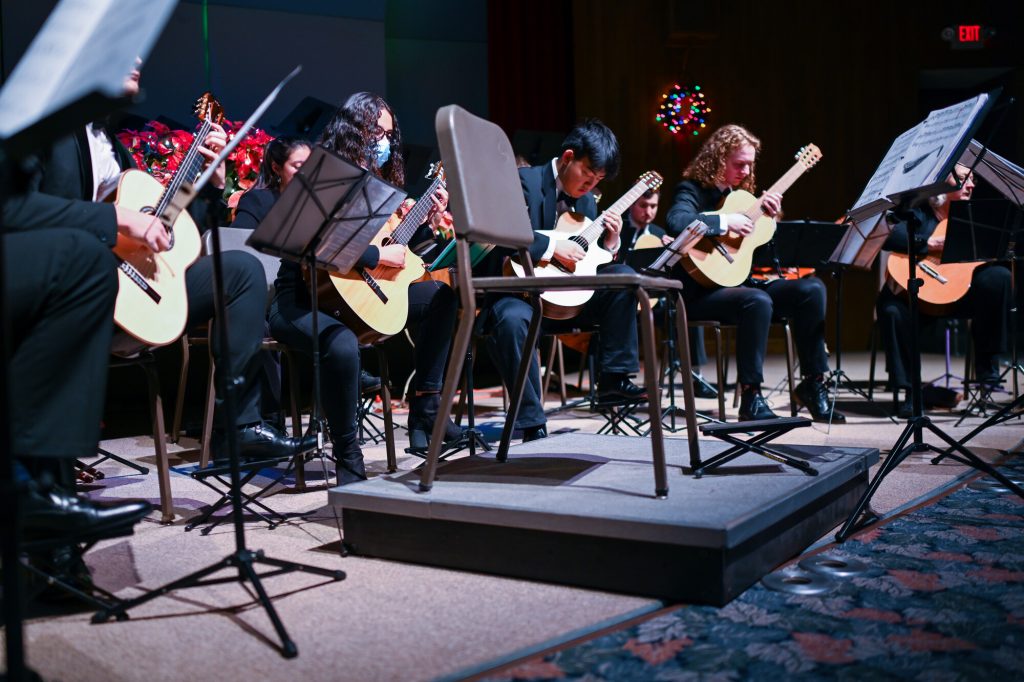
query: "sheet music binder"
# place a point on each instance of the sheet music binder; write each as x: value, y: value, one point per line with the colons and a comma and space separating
x: 800, y: 244
x: 331, y: 206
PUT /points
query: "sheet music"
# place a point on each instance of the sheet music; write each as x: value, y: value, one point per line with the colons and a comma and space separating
x: 940, y: 134
x: 1004, y: 175
x: 917, y: 156
x: 85, y: 47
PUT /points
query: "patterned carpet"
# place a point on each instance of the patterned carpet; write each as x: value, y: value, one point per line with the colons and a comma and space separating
x: 943, y: 599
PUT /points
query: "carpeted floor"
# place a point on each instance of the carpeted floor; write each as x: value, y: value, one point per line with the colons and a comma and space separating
x: 942, y: 598
x: 386, y: 620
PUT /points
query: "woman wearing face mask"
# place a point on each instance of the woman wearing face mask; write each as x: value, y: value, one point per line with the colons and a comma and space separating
x: 365, y: 131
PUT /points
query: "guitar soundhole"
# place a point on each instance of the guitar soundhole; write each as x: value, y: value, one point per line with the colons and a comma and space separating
x: 148, y: 210
x: 387, y: 241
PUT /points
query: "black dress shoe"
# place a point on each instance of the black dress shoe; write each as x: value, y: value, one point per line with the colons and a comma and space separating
x: 61, y: 515
x: 535, y: 433
x: 702, y: 388
x: 813, y: 395
x: 753, y: 407
x: 263, y: 441
x: 368, y: 383
x: 612, y: 390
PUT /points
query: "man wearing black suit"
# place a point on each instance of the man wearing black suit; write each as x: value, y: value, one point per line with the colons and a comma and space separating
x: 69, y: 182
x: 726, y: 162
x: 588, y: 155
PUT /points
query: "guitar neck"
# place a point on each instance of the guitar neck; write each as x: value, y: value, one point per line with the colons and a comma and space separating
x: 189, y: 169
x: 417, y: 215
x: 780, y: 187
x: 594, y: 230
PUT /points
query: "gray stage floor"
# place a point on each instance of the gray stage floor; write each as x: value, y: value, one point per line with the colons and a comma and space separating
x: 603, y: 486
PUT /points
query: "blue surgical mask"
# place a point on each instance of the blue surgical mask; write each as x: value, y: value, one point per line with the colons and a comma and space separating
x: 383, y: 151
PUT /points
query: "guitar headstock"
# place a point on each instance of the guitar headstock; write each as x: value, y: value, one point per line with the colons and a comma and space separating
x: 208, y: 108
x: 652, y: 179
x: 436, y: 170
x: 809, y: 155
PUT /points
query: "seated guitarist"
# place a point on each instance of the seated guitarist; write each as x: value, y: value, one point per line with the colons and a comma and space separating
x: 986, y: 302
x: 365, y: 131
x: 71, y: 180
x: 726, y: 162
x: 589, y: 154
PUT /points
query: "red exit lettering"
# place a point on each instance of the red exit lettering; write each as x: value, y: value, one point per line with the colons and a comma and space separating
x: 969, y: 34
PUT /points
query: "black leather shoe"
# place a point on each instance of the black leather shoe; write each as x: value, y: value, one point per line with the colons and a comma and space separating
x: 620, y: 389
x: 535, y: 433
x: 753, y: 407
x: 368, y: 383
x: 263, y: 441
x: 702, y: 388
x: 813, y: 395
x: 905, y: 410
x: 57, y: 515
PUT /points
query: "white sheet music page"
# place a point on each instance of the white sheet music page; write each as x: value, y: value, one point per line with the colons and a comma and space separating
x: 938, y: 138
x: 84, y: 48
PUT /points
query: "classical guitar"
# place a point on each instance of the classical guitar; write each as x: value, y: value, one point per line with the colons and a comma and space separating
x: 151, y: 301
x: 560, y: 305
x: 725, y: 260
x: 943, y: 283
x: 374, y: 302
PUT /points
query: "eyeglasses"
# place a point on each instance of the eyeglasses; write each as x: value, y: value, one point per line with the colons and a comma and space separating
x: 380, y: 133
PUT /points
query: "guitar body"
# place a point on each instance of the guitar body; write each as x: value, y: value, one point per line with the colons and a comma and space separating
x: 373, y: 311
x: 563, y: 304
x: 648, y: 241
x: 709, y: 266
x: 943, y: 283
x: 152, y: 302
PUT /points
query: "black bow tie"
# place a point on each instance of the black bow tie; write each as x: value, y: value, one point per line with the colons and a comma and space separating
x: 565, y: 203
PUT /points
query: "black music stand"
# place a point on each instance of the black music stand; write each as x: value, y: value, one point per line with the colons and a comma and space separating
x: 659, y: 262
x: 58, y: 84
x: 325, y: 221
x: 914, y: 169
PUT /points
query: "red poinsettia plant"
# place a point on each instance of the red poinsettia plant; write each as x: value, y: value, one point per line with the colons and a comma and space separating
x: 159, y: 151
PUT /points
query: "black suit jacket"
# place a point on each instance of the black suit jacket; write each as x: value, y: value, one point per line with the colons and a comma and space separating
x: 60, y: 192
x: 629, y: 236
x: 690, y: 202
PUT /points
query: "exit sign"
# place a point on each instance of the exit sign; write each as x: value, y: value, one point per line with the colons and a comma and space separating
x: 967, y: 36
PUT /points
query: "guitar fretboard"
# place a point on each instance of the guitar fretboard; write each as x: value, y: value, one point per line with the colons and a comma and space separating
x: 594, y: 230
x: 417, y: 215
x: 190, y: 168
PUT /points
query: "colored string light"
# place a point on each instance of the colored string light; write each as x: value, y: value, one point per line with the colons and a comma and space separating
x: 684, y: 110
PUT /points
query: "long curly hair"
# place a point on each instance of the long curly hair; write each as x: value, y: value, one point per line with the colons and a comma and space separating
x: 708, y: 166
x: 353, y: 133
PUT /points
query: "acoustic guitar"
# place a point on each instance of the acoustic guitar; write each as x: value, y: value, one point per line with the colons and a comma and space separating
x: 560, y: 305
x: 152, y: 305
x: 725, y: 260
x: 374, y: 302
x: 943, y: 283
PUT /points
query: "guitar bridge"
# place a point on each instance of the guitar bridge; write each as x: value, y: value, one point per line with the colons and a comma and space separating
x: 374, y: 287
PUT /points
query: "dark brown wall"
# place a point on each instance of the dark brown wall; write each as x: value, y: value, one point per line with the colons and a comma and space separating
x: 846, y: 76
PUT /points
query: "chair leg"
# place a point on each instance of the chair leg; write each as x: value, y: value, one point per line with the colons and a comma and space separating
x: 389, y: 422
x: 204, y: 443
x: 875, y: 333
x: 293, y: 397
x: 653, y: 394
x: 789, y: 368
x: 720, y: 368
x: 163, y: 464
x: 179, y: 402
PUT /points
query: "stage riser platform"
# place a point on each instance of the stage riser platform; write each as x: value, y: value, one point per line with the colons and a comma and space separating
x: 687, y: 550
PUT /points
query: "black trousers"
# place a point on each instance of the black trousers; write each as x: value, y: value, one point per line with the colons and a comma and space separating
x: 59, y: 292
x: 432, y: 310
x: 613, y: 312
x: 987, y: 304
x: 245, y: 291
x: 753, y: 308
